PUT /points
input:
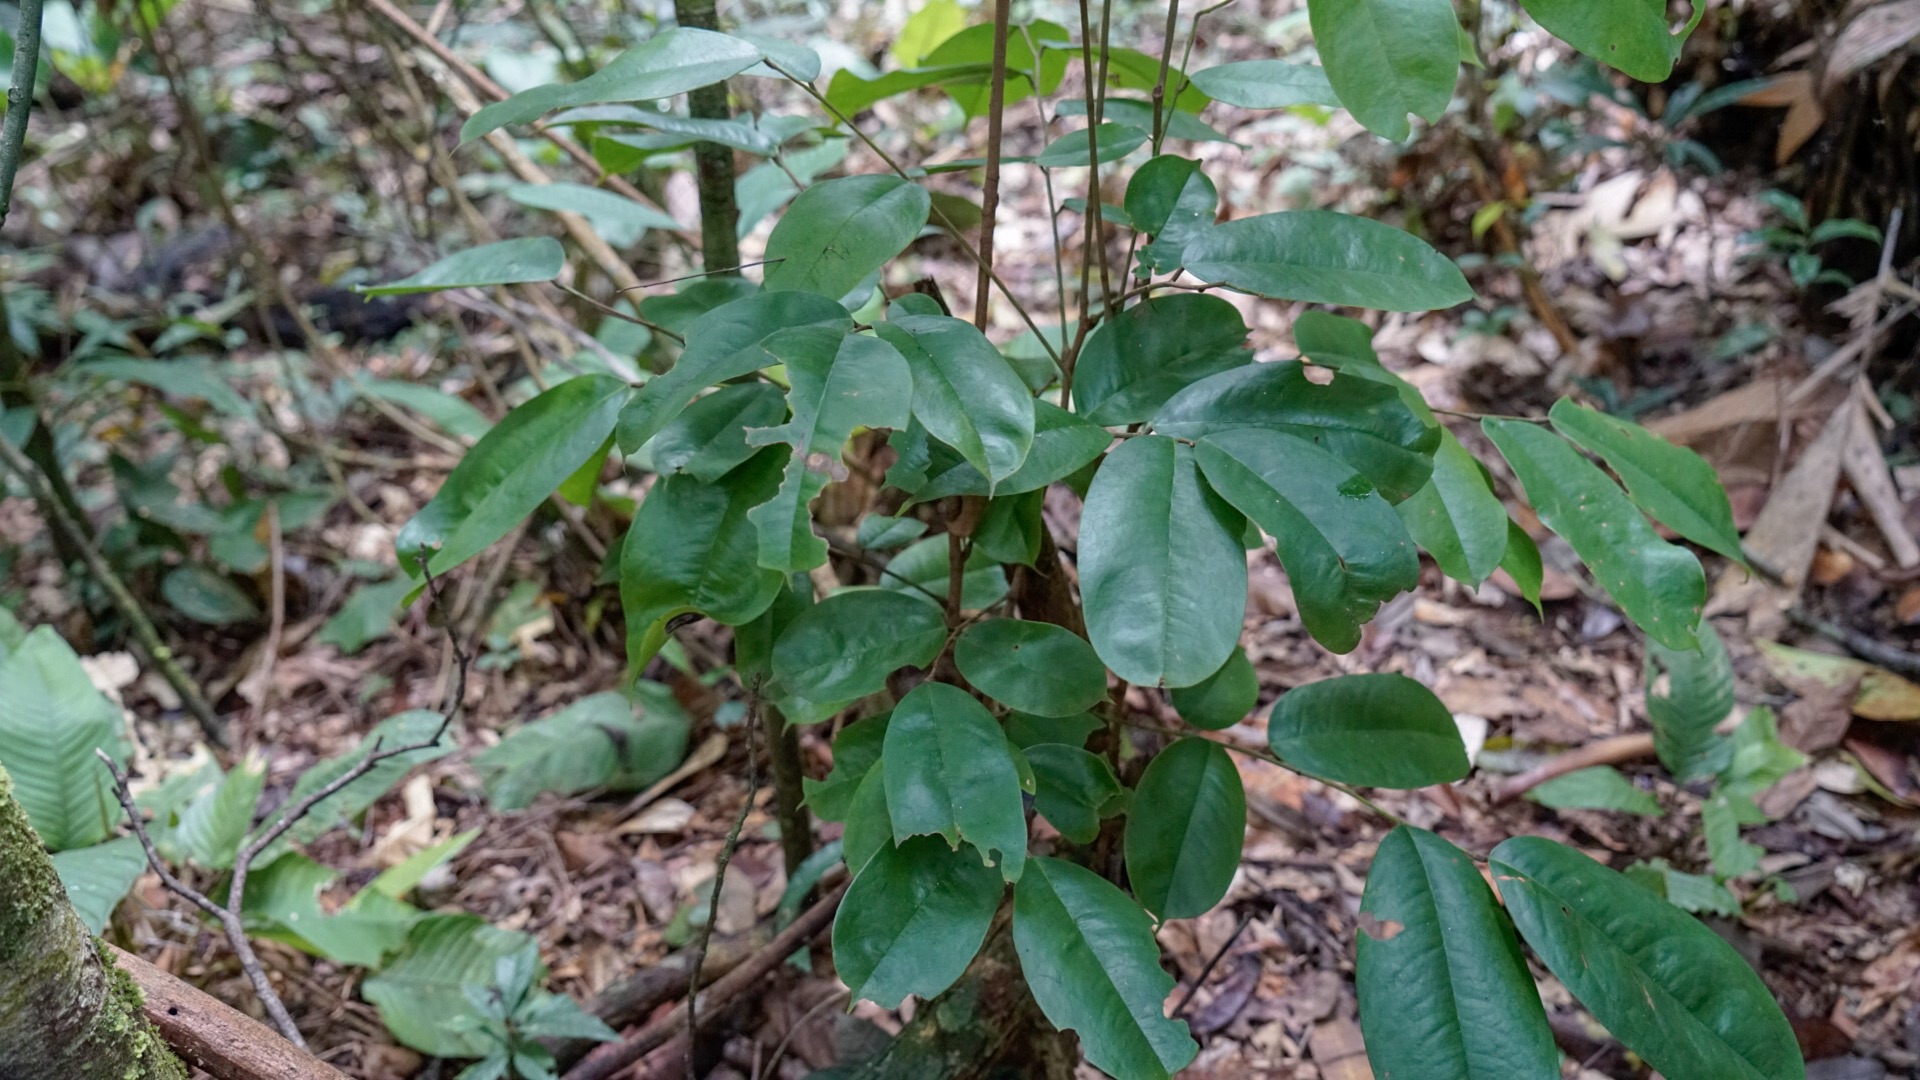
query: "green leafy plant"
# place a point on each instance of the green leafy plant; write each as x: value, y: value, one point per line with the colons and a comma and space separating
x: 513, y: 1016
x: 975, y: 689
x: 1793, y: 238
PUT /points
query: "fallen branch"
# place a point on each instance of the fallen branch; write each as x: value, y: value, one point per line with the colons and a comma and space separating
x: 633, y: 1000
x: 211, y: 1035
x: 1605, y: 752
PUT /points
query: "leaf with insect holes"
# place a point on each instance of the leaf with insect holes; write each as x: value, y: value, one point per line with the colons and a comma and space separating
x: 912, y: 920
x: 949, y: 771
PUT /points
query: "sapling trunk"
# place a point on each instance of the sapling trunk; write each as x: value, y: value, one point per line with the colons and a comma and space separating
x: 713, y: 164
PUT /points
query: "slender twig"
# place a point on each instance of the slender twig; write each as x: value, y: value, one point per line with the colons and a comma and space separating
x: 1160, y: 84
x: 1861, y: 645
x: 719, y: 880
x: 780, y: 1048
x: 1095, y: 246
x: 614, y: 312
x: 1212, y: 962
x: 705, y: 273
x: 990, y: 193
x: 13, y: 134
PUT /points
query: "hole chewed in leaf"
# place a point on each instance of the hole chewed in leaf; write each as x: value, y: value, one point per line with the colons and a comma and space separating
x: 1380, y: 929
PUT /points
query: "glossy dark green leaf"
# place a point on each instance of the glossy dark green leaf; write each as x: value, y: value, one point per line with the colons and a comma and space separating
x: 1063, y: 444
x: 1131, y: 365
x: 1672, y: 483
x: 845, y: 646
x: 837, y: 382
x: 1090, y: 957
x: 1035, y: 667
x: 530, y: 258
x: 1456, y: 517
x: 1171, y: 198
x: 691, y: 548
x: 1162, y: 574
x: 1522, y: 564
x: 1388, y: 58
x: 879, y: 532
x: 708, y: 439
x: 1224, y: 699
x: 1631, y: 35
x: 671, y: 62
x: 856, y: 750
x: 921, y: 571
x: 1028, y: 731
x: 1360, y: 421
x: 725, y: 343
x: 1660, y: 586
x: 1009, y: 529
x: 869, y: 828
x: 1671, y: 990
x: 965, y: 392
x: 1601, y: 787
x: 677, y: 311
x: 1325, y: 257
x: 912, y: 921
x: 1112, y: 141
x: 1444, y: 991
x: 839, y: 231
x: 1346, y: 346
x: 1344, y: 549
x: 512, y: 470
x: 618, y: 219
x: 1689, y: 692
x: 1375, y: 730
x: 1074, y: 789
x: 1185, y: 828
x: 950, y: 772
x: 1267, y: 84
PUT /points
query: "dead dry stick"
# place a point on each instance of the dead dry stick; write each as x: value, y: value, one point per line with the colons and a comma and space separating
x: 1605, y: 752
x: 212, y: 1036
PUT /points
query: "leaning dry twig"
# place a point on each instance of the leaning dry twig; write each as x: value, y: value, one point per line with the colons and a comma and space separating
x: 719, y: 880
x: 1605, y: 752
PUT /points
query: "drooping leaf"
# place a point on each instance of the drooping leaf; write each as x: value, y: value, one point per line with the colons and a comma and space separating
x: 881, y: 532
x: 1631, y: 35
x: 1344, y: 549
x: 845, y: 646
x: 1184, y: 829
x: 1721, y: 817
x: 1073, y: 789
x: 1388, y: 58
x: 921, y: 572
x: 425, y: 986
x: 1374, y: 730
x: 1444, y: 991
x: 1162, y: 574
x: 912, y: 920
x: 604, y: 740
x: 856, y: 750
x: 97, y: 878
x: 671, y: 62
x: 1672, y: 483
x: 1089, y: 956
x: 1224, y: 698
x: 1268, y: 84
x: 965, y: 393
x: 283, y: 904
x: 1035, y: 667
x: 507, y: 262
x: 619, y: 220
x: 709, y: 438
x: 1325, y: 257
x: 1110, y: 142
x: 925, y: 30
x: 949, y: 771
x: 449, y: 413
x: 511, y: 471
x: 1689, y: 692
x: 1063, y: 444
x: 1522, y: 564
x: 1600, y: 787
x: 51, y: 721
x: 839, y: 231
x: 1456, y: 517
x: 1666, y: 986
x: 1171, y: 198
x: 1660, y: 586
x: 1131, y: 365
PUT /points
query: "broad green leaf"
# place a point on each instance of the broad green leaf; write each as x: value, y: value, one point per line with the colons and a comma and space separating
x: 508, y: 262
x: 422, y: 989
x: 1601, y: 787
x: 1037, y: 55
x: 512, y: 470
x: 869, y: 828
x: 837, y: 382
x: 795, y: 60
x: 1177, y: 122
x: 1131, y: 365
x: 965, y: 393
x: 1110, y: 141
x: 678, y: 311
x: 1672, y: 483
x: 845, y: 646
x: 619, y: 220
x: 1173, y: 199
x: 856, y: 750
x: 1383, y: 731
x: 603, y: 740
x: 926, y: 29
x: 213, y: 825
x: 1346, y: 346
x: 1388, y: 58
x: 1444, y: 991
x: 178, y: 378
x: 1631, y: 35
x: 51, y: 721
x: 671, y: 62
x: 1697, y: 893
x: 1665, y: 985
x: 1162, y: 574
x: 1362, y: 422
x: 1028, y: 731
x: 851, y: 94
x: 1063, y: 444
x: 205, y: 595
x: 283, y: 904
x: 949, y: 771
x: 921, y: 572
x: 1760, y: 759
x: 1456, y: 517
x: 1522, y: 564
x: 1073, y: 789
x: 396, y: 881
x: 409, y: 728
x: 97, y: 878
x: 12, y: 633
x: 709, y: 438
x: 691, y: 548
x: 1089, y: 955
x: 449, y: 413
x: 1344, y: 549
x: 1325, y: 257
x: 1225, y: 698
x: 913, y: 920
x: 1720, y: 819
x: 1689, y: 692
x: 1268, y: 84
x: 881, y: 532
x: 367, y: 616
x: 1185, y: 828
x: 1660, y: 586
x: 1035, y: 667
x: 839, y: 231
x: 1009, y: 529
x: 725, y: 343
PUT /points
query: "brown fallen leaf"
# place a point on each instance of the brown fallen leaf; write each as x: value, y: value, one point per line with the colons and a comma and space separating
x: 1882, y: 694
x: 1338, y: 1050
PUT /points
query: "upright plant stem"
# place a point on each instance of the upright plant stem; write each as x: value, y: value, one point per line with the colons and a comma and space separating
x: 990, y: 196
x: 1096, y: 246
x: 713, y: 164
x: 1160, y: 119
x: 786, y: 771
x: 13, y: 134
